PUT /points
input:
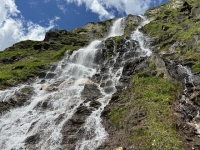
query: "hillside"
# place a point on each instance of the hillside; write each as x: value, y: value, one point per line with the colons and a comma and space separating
x: 159, y: 109
x: 154, y: 105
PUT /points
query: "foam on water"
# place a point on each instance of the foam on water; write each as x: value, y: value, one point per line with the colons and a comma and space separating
x: 40, y: 117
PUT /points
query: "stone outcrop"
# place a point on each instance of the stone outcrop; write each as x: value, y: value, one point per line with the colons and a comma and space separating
x: 196, y: 12
x: 19, y: 98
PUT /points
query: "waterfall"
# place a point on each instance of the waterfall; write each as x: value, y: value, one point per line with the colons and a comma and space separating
x: 142, y: 39
x: 50, y: 119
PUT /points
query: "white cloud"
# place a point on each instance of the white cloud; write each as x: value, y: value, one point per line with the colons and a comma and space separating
x: 96, y: 6
x: 13, y: 28
x: 102, y: 7
x: 137, y: 6
x: 62, y: 7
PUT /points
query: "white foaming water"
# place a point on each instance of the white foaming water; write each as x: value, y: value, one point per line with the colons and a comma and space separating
x: 117, y: 29
x: 142, y: 39
x: 40, y: 119
x: 187, y: 71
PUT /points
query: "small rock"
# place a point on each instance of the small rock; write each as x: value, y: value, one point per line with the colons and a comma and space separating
x: 119, y: 148
x: 42, y: 75
x: 50, y: 75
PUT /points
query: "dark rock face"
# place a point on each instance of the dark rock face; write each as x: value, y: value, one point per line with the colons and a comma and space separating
x: 187, y: 108
x: 42, y: 75
x: 50, y: 75
x: 91, y: 92
x: 51, y: 36
x: 72, y: 131
x: 18, y: 99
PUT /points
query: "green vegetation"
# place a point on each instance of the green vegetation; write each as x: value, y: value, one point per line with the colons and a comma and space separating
x: 79, y: 30
x: 23, y: 61
x: 129, y: 29
x: 146, y: 113
x: 171, y: 26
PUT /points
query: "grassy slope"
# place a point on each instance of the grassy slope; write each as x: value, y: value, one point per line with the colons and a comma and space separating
x: 25, y: 62
x: 182, y: 27
x: 150, y: 102
x: 146, y: 107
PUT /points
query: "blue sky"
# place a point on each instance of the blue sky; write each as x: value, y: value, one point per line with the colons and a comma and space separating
x: 31, y: 19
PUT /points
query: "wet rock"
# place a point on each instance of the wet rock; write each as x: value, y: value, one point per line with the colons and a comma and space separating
x: 32, y: 125
x: 102, y: 85
x: 188, y: 110
x: 109, y: 90
x: 109, y: 83
x: 91, y: 91
x: 42, y: 75
x: 96, y: 78
x: 50, y: 75
x: 83, y: 110
x: 95, y: 104
x: 44, y: 105
x: 72, y: 129
x: 34, y: 139
x: 53, y: 68
x: 20, y: 98
x: 98, y: 58
x: 59, y: 119
x: 42, y: 81
x: 115, y: 97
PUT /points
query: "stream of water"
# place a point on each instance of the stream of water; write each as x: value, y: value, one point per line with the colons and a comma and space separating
x: 40, y: 122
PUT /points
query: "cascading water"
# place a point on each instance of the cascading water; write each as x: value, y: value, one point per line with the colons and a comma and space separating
x: 187, y: 106
x: 143, y: 40
x: 49, y: 120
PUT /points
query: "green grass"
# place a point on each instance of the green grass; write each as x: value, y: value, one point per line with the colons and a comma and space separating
x: 129, y: 29
x: 149, y: 98
x: 30, y: 63
x: 182, y: 29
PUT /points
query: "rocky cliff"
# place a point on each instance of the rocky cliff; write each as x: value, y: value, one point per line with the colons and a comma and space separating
x: 160, y: 107
x: 157, y: 102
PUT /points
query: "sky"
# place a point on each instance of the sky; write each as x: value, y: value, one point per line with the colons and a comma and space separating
x: 31, y: 19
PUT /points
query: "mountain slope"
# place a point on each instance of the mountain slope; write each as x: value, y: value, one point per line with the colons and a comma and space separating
x: 156, y: 105
x: 152, y: 114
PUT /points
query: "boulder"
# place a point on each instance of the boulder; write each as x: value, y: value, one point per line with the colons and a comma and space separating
x: 42, y: 75
x: 50, y: 75
x: 34, y: 139
x: 160, y: 66
x: 196, y: 12
x: 91, y: 92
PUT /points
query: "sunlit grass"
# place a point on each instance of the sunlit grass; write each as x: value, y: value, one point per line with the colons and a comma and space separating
x: 153, y: 97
